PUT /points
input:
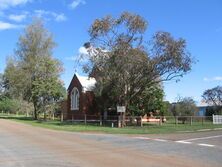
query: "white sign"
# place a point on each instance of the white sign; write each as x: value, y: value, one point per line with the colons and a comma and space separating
x: 121, y: 108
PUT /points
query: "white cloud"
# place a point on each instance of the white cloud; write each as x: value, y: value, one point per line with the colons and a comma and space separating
x: 18, y: 18
x: 60, y: 17
x: 4, y: 4
x: 81, y: 56
x: 49, y: 15
x: 83, y: 50
x: 217, y: 78
x: 7, y: 26
x: 76, y: 3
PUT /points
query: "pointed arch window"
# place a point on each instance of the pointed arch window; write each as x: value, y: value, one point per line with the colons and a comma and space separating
x: 75, y: 99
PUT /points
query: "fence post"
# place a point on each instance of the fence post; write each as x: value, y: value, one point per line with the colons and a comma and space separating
x: 101, y: 121
x: 160, y: 121
x: 72, y: 118
x: 191, y: 120
x: 119, y: 121
x: 85, y: 119
x: 61, y: 116
x: 213, y: 119
x: 202, y: 120
x: 176, y: 120
x: 141, y: 121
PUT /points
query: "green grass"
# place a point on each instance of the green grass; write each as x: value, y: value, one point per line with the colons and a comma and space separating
x: 147, y: 129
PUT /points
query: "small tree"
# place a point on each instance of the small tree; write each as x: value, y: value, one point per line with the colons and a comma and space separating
x: 184, y: 107
x: 8, y: 105
x: 214, y: 98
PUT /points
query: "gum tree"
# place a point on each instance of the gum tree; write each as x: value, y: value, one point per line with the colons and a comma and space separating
x: 126, y: 66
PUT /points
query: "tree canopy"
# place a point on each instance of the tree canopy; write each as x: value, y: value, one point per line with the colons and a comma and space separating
x: 184, y: 107
x: 128, y: 69
x: 213, y: 96
x: 32, y: 73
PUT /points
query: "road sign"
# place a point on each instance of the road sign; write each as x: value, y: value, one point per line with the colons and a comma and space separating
x: 121, y: 109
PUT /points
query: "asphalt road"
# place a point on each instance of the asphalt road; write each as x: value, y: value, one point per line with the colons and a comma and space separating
x: 26, y: 146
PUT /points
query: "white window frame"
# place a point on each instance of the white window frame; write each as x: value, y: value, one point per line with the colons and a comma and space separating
x: 75, y: 99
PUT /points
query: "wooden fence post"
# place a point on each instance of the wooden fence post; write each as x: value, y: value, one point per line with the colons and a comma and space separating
x: 101, y: 121
x: 160, y: 121
x: 61, y: 116
x: 119, y: 121
x: 176, y: 122
x: 85, y: 119
x: 141, y: 121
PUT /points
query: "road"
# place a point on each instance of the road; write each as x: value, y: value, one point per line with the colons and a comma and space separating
x: 23, y: 145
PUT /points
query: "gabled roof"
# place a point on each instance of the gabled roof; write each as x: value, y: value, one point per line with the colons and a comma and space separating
x: 87, y: 83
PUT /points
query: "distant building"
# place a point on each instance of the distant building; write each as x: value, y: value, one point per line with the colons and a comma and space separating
x: 81, y: 99
x: 203, y: 107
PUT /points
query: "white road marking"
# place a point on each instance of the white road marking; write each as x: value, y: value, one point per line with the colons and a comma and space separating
x: 144, y: 138
x: 163, y: 140
x: 185, y: 131
x: 188, y: 141
x: 184, y: 142
x: 202, y: 138
x: 206, y: 145
x: 202, y: 130
x: 217, y: 128
x: 147, y: 138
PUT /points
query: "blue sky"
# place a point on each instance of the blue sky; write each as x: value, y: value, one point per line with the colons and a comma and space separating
x: 197, y: 21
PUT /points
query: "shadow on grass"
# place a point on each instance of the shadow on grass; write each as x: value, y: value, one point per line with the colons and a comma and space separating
x: 17, y: 118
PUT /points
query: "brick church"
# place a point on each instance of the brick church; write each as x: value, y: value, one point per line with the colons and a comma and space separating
x: 80, y: 100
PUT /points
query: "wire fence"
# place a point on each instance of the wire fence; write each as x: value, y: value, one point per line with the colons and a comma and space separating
x: 130, y: 121
x: 120, y: 121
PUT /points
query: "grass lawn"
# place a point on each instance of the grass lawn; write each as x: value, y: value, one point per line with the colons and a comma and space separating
x: 147, y: 129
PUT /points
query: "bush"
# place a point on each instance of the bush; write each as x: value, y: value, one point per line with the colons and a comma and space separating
x: 9, y: 105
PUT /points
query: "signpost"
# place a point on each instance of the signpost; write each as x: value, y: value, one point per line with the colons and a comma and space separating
x: 121, y: 110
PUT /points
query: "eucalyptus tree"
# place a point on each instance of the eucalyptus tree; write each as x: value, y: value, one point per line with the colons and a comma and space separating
x: 126, y: 66
x: 213, y: 96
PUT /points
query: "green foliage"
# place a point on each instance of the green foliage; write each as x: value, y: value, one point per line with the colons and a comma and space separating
x: 184, y: 107
x: 9, y: 105
x: 216, y: 110
x: 128, y: 71
x: 213, y: 96
x: 33, y: 74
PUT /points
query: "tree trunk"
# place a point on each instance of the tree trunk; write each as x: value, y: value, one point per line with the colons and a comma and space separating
x: 35, y: 112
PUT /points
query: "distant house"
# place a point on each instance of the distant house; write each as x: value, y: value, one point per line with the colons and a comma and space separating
x: 203, y: 107
x: 81, y: 99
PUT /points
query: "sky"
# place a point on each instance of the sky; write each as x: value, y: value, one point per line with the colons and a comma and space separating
x: 199, y: 22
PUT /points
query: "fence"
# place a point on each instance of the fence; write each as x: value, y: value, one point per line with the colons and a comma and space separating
x: 217, y: 119
x: 138, y: 121
x: 119, y: 121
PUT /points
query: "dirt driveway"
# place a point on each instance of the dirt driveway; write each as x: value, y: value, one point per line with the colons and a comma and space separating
x: 24, y: 146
